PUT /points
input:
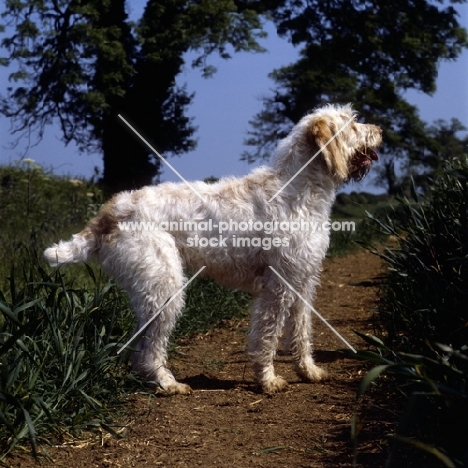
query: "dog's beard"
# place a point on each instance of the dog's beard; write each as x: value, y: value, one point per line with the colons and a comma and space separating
x: 361, y: 163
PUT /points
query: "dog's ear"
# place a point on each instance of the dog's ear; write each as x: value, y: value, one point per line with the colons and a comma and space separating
x: 321, y: 135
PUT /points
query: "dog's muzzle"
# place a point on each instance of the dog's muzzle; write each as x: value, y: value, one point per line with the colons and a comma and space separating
x: 361, y: 163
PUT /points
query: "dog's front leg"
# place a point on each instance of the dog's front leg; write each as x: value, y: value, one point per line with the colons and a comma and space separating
x: 267, y: 320
x: 299, y: 338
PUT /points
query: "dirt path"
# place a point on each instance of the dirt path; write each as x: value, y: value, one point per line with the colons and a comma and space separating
x: 227, y: 423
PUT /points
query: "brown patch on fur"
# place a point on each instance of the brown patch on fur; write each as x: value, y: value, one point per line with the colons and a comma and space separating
x: 101, y: 228
x: 139, y: 195
x: 104, y: 224
x: 320, y: 135
x: 318, y: 132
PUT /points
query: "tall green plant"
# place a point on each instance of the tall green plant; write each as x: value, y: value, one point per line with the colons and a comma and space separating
x: 426, y: 294
x: 434, y: 421
x: 60, y: 372
x: 425, y: 318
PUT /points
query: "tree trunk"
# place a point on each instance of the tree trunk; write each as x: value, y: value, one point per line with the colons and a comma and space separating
x: 126, y: 158
x: 390, y: 178
x: 127, y: 164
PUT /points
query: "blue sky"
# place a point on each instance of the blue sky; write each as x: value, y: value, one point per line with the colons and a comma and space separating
x: 224, y: 105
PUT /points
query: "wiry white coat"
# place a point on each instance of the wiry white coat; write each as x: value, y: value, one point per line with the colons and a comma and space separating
x: 150, y: 264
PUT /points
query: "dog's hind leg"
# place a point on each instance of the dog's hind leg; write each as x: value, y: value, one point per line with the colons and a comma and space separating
x: 149, y: 268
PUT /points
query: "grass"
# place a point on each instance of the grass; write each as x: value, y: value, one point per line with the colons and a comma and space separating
x: 207, y: 305
x: 60, y: 373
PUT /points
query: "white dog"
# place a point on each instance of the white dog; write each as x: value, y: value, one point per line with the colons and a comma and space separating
x: 237, y: 228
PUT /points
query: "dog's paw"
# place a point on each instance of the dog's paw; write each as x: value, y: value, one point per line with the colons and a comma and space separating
x: 176, y: 388
x: 311, y: 373
x: 275, y: 385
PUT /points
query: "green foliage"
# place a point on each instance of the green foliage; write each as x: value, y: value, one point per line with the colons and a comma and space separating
x: 352, y: 208
x: 441, y: 141
x: 60, y: 372
x: 36, y: 207
x: 424, y: 316
x: 406, y: 50
x: 433, y: 424
x: 445, y: 143
x: 208, y: 304
x: 427, y: 283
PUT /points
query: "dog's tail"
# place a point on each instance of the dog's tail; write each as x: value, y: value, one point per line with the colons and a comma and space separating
x: 80, y: 248
x: 86, y: 244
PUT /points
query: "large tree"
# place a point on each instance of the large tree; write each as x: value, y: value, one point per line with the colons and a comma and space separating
x: 368, y: 53
x: 82, y: 62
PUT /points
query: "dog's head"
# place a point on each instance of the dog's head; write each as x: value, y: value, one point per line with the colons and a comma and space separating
x: 347, y: 147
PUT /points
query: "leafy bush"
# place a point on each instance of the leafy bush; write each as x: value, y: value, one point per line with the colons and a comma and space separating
x: 424, y: 315
x: 426, y: 294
